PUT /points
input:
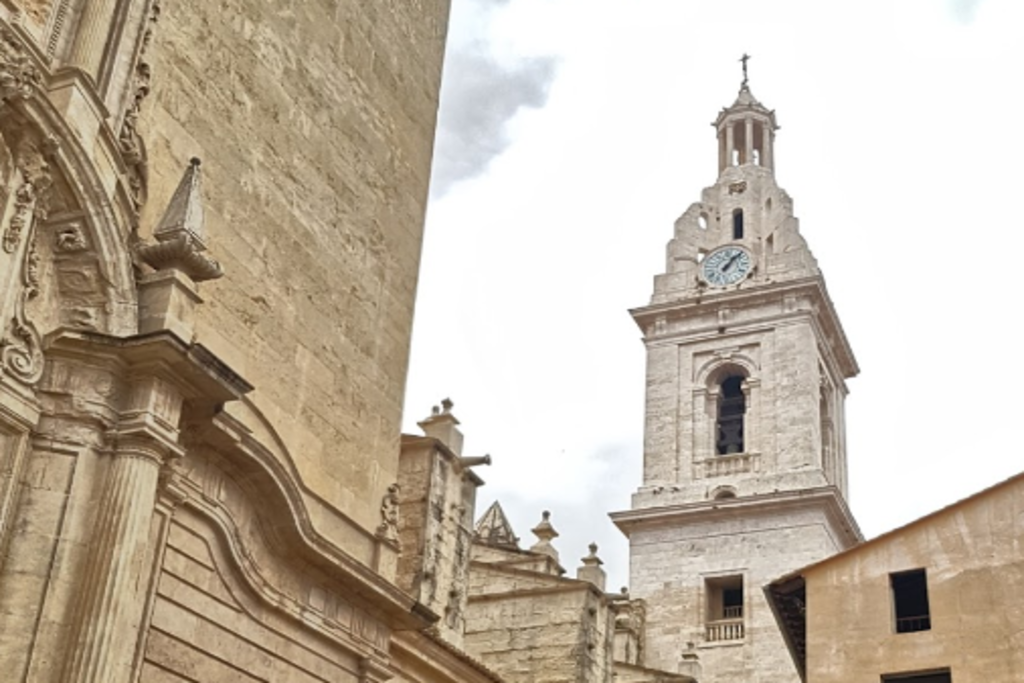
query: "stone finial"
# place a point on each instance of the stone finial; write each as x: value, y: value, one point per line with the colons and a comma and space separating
x: 180, y: 233
x: 185, y: 211
x: 443, y: 426
x: 545, y: 533
x: 591, y: 570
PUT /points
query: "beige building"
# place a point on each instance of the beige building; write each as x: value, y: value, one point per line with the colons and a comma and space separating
x: 938, y: 600
x: 744, y: 464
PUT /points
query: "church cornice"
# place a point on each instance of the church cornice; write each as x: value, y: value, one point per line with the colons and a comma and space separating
x: 654, y: 319
x: 828, y: 498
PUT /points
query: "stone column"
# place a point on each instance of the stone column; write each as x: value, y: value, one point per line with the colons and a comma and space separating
x: 748, y: 141
x: 92, y: 34
x: 106, y: 628
x: 730, y: 142
x: 767, y: 140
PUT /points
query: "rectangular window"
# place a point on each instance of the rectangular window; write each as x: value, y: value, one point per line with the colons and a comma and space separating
x: 933, y: 677
x: 910, y: 601
x: 724, y: 608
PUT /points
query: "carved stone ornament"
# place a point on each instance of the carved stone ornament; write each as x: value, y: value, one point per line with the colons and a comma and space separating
x: 21, y: 353
x: 70, y: 239
x: 130, y: 138
x: 24, y: 200
x: 18, y: 75
x: 179, y: 234
x: 738, y: 187
x: 388, y: 529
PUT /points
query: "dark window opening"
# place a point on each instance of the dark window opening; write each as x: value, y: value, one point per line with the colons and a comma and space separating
x: 933, y: 677
x: 737, y: 224
x: 732, y: 406
x: 910, y: 598
x: 732, y: 603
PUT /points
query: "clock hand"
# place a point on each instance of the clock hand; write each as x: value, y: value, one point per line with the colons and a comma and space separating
x: 728, y: 264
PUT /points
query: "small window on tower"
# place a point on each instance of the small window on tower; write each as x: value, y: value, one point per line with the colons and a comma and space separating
x: 724, y: 608
x: 737, y: 224
x: 732, y: 406
x: 910, y: 601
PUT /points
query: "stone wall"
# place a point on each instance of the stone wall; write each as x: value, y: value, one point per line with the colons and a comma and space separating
x: 774, y: 341
x: 558, y: 632
x: 673, y: 567
x: 315, y: 124
x: 438, y: 502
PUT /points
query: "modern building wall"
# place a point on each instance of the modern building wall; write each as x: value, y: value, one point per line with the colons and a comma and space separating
x: 972, y: 556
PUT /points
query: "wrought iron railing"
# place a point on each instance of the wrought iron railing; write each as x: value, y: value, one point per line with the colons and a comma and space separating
x: 911, y: 624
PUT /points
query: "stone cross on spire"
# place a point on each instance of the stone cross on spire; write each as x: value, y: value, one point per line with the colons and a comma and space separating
x: 744, y: 59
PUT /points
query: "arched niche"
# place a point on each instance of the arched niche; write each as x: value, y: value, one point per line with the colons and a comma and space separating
x: 75, y: 237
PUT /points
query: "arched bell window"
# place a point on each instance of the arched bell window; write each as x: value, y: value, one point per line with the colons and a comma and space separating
x: 732, y: 408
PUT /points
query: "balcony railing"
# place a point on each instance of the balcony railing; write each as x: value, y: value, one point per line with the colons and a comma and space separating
x: 724, y: 629
x: 911, y: 624
x: 733, y: 612
x: 725, y: 465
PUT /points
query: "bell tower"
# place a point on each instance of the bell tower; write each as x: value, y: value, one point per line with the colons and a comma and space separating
x: 744, y: 464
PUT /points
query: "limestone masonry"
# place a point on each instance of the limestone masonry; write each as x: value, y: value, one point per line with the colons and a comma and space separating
x: 211, y: 216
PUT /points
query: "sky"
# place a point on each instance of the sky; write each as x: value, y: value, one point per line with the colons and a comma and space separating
x: 573, y: 133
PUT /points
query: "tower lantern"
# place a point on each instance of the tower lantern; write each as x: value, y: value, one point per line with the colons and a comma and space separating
x: 746, y: 133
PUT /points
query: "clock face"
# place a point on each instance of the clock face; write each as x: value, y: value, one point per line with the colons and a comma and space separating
x: 726, y: 266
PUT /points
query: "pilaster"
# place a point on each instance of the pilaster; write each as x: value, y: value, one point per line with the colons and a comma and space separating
x: 109, y: 613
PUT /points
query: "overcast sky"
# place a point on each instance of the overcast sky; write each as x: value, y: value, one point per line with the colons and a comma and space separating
x: 574, y: 132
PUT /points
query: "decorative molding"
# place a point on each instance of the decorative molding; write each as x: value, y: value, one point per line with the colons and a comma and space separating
x: 21, y: 353
x: 129, y: 138
x: 24, y: 200
x: 57, y: 28
x: 18, y: 75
